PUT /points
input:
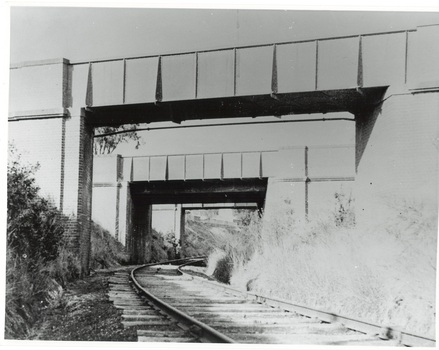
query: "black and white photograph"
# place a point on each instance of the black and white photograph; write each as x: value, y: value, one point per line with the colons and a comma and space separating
x: 179, y: 175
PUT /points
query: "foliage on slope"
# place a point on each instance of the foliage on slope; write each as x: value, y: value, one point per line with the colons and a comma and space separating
x: 382, y: 273
x: 106, y: 251
x: 38, y: 262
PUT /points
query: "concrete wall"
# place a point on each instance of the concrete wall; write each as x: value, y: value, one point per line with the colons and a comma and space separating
x: 397, y: 141
x: 307, y: 180
x: 38, y: 88
x: 107, y: 176
x: 30, y: 137
x: 397, y: 153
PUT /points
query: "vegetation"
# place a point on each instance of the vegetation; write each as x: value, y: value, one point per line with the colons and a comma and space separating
x: 107, y: 144
x: 39, y: 264
x: 34, y: 226
x: 105, y: 250
x: 219, y: 243
x: 382, y: 272
x: 37, y: 261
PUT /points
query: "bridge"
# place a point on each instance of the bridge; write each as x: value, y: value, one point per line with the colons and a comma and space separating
x: 388, y: 81
x: 125, y: 187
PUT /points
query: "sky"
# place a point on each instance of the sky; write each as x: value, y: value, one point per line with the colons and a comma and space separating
x: 92, y: 33
x: 85, y: 33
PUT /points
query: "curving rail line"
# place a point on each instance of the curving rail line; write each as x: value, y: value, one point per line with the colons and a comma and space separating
x: 181, y: 307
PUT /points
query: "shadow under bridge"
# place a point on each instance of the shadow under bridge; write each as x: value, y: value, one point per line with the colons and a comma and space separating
x: 228, y: 180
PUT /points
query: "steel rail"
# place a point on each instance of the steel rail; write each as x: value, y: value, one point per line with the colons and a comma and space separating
x: 383, y: 332
x: 194, y: 326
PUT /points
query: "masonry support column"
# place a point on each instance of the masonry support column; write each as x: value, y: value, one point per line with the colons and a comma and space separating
x: 140, y: 239
x: 177, y: 221
x: 77, y: 185
x: 181, y: 232
x: 85, y: 193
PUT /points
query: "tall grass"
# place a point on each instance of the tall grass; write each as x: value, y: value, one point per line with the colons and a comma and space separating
x: 34, y: 285
x: 234, y: 249
x: 106, y: 251
x: 382, y: 272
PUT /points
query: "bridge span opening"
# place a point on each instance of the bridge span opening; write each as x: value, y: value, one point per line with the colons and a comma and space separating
x: 198, y: 229
x: 188, y: 195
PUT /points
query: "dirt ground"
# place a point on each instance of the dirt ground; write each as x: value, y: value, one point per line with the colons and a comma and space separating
x: 84, y: 314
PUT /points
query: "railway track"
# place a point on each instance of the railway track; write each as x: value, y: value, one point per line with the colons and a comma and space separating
x: 167, y: 305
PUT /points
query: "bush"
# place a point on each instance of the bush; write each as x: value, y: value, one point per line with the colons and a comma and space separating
x: 65, y: 268
x: 172, y: 246
x: 223, y: 270
x: 158, y: 247
x: 34, y: 226
x: 34, y: 241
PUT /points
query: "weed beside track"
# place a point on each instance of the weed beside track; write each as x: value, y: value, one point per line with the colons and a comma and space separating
x: 84, y: 314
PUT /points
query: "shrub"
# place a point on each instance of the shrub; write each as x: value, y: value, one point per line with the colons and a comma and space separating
x: 223, y: 269
x: 172, y: 246
x: 34, y: 237
x: 65, y: 268
x: 34, y: 226
x: 158, y: 247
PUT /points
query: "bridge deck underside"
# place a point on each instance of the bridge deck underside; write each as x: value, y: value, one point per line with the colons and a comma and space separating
x: 211, y: 191
x: 350, y: 100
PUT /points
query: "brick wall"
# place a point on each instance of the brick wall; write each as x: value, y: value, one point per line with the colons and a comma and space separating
x: 85, y: 187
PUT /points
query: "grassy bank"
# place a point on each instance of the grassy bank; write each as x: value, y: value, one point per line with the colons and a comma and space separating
x: 383, y: 272
x: 36, y: 285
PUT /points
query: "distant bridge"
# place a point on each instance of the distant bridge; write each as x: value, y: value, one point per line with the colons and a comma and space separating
x: 212, y: 180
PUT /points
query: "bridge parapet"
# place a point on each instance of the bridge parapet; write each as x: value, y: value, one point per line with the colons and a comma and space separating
x: 273, y: 73
x: 316, y: 163
x: 323, y: 64
x: 202, y: 166
x: 289, y: 163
